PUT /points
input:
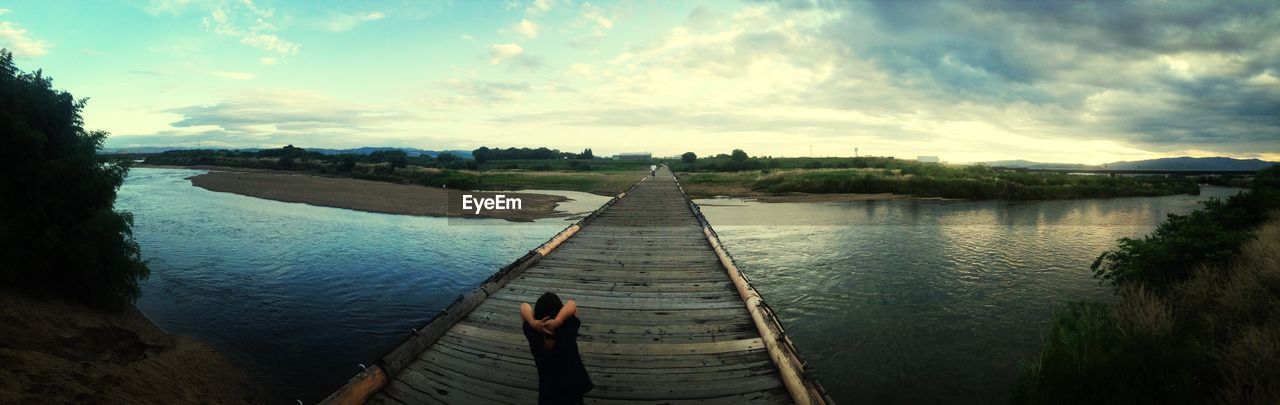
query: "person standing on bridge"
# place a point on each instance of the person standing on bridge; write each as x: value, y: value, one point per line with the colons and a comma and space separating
x: 653, y: 170
x: 551, y: 327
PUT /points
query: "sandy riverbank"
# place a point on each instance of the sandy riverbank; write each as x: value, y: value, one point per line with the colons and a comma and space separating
x: 367, y: 195
x: 54, y: 352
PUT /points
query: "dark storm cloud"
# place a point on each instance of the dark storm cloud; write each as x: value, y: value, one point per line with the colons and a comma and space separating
x: 1059, y: 54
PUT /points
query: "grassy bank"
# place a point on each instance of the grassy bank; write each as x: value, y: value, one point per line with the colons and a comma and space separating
x: 598, y: 176
x: 1195, y: 319
x: 971, y: 182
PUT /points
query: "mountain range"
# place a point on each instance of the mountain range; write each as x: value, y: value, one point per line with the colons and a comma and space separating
x: 1175, y: 163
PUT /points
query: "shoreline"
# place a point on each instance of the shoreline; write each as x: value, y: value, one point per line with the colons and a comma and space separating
x: 364, y: 195
x: 59, y: 352
x: 822, y: 198
x: 408, y: 199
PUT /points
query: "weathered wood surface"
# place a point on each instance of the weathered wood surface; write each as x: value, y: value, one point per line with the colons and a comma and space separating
x: 663, y: 321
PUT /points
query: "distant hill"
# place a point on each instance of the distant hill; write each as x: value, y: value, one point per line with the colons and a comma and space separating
x: 1027, y: 164
x: 1190, y: 163
x: 1178, y: 163
x: 147, y: 149
x: 466, y: 154
x: 365, y: 150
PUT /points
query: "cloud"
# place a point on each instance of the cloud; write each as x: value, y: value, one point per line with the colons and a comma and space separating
x: 499, y: 53
x: 260, y: 114
x: 233, y: 75
x: 4, y: 11
x: 20, y: 42
x: 267, y: 60
x: 527, y: 28
x: 1165, y: 78
x: 250, y: 24
x: 513, y: 55
x: 539, y: 7
x: 596, y: 16
x: 342, y: 22
x: 158, y: 7
x: 700, y: 17
x: 471, y: 91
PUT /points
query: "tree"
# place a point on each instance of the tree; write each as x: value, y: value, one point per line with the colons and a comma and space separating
x: 347, y: 164
x: 481, y: 155
x: 586, y: 154
x: 738, y: 155
x: 446, y: 158
x: 59, y: 231
x: 688, y: 157
x: 396, y: 157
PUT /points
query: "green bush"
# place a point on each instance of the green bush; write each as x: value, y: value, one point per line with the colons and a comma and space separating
x: 1195, y: 319
x: 1210, y: 235
x: 59, y: 232
x: 1093, y: 355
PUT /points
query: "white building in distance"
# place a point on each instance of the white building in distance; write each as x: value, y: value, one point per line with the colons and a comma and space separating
x: 927, y: 159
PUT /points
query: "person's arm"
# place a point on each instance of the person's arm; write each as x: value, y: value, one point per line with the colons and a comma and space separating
x: 570, y: 309
x: 526, y: 312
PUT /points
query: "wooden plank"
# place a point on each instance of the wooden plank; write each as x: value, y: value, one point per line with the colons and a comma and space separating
x: 448, y: 388
x: 634, y: 317
x: 769, y: 396
x: 381, y: 398
x: 711, y: 331
x: 475, y: 332
x: 622, y: 303
x: 637, y: 276
x: 643, y: 362
x: 724, y: 294
x: 619, y: 285
x: 493, y: 387
x: 503, y: 362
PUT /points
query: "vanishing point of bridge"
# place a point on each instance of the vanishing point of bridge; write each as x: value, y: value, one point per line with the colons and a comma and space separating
x: 667, y: 317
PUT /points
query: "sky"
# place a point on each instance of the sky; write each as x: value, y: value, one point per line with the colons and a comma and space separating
x: 1048, y: 81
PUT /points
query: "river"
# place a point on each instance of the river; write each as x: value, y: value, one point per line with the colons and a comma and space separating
x: 891, y: 301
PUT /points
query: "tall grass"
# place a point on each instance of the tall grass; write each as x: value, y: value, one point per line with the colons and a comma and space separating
x: 1213, y: 338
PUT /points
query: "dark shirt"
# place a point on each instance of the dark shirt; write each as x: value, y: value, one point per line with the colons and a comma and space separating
x: 561, y: 377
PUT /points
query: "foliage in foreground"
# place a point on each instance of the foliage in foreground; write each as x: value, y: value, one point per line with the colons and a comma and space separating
x: 1210, y: 235
x: 59, y: 232
x: 1196, y: 317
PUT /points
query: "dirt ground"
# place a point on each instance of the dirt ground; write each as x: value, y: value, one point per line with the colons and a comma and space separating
x: 53, y: 352
x: 368, y: 195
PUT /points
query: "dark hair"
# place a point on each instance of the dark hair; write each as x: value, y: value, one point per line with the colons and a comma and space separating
x: 548, y: 305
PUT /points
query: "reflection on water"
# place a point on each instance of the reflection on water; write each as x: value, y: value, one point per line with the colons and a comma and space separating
x: 301, y: 294
x: 927, y: 301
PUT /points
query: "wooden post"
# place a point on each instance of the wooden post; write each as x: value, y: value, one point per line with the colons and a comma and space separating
x: 359, y: 388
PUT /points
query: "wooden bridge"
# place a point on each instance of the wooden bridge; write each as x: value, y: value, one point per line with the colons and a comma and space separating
x: 667, y: 317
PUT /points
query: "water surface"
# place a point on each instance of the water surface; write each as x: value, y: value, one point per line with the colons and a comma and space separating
x: 927, y: 301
